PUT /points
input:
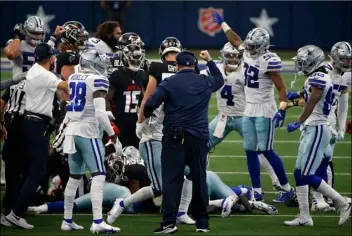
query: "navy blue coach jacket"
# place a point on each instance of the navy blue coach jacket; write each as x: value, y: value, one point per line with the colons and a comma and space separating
x: 186, y: 98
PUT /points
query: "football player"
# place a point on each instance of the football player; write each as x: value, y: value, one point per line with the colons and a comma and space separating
x: 87, y: 112
x: 126, y: 92
x: 315, y: 138
x: 261, y: 69
x: 150, y: 133
x: 231, y: 103
x: 124, y: 175
x: 106, y: 37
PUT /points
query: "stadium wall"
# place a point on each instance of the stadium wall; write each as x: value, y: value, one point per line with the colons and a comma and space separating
x: 291, y: 24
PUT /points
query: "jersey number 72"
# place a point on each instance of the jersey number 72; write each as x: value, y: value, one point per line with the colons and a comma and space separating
x: 251, y: 76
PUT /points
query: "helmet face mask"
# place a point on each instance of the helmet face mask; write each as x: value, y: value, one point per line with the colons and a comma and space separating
x: 133, y: 57
x: 95, y: 61
x: 308, y: 59
x: 75, y: 34
x: 231, y: 57
x: 114, y: 169
x: 34, y: 30
x: 256, y: 42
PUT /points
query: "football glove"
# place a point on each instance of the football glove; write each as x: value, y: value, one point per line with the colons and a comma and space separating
x: 292, y: 95
x: 340, y: 135
x: 18, y: 32
x: 217, y: 18
x: 349, y: 127
x: 279, y: 118
x: 333, y: 131
x: 293, y: 126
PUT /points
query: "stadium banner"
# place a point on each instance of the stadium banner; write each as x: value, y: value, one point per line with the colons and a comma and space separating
x: 290, y: 24
x: 288, y: 66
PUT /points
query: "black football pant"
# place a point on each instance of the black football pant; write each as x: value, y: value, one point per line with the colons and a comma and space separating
x: 180, y: 150
x: 13, y: 156
x: 36, y: 147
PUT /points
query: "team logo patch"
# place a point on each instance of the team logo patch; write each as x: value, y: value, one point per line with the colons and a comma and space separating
x: 205, y: 21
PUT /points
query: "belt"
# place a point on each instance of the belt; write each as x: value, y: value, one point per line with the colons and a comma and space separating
x: 37, y: 117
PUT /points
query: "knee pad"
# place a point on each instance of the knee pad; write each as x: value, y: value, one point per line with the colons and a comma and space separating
x: 313, y: 180
x: 156, y: 193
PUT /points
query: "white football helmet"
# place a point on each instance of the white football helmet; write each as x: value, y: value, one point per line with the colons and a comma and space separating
x: 341, y: 56
x: 308, y: 59
x: 34, y: 30
x: 256, y: 42
x: 230, y: 56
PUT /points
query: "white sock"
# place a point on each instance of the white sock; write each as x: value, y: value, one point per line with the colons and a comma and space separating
x: 44, y: 208
x: 317, y: 196
x: 186, y: 196
x: 139, y: 196
x: 303, y: 201
x: 258, y: 190
x: 264, y: 163
x: 328, y: 191
x: 329, y: 180
x: 217, y: 203
x: 96, y: 195
x: 286, y: 187
x: 70, y: 194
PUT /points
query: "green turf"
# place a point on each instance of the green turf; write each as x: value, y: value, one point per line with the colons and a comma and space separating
x: 228, y: 158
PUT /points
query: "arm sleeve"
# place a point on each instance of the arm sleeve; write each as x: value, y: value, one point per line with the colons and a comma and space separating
x: 6, y: 84
x: 273, y: 63
x: 342, y: 111
x: 101, y: 115
x: 155, y: 100
x: 216, y: 78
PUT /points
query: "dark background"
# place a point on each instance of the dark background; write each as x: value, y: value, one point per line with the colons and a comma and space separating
x: 299, y: 23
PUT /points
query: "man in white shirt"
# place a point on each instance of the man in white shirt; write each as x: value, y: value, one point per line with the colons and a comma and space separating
x: 41, y: 85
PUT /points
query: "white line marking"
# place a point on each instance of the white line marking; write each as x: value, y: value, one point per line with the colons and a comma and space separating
x: 156, y: 215
x: 284, y: 157
x: 247, y: 173
x: 279, y: 141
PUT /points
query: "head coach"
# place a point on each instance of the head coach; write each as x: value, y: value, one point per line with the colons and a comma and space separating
x: 40, y: 88
x: 186, y: 98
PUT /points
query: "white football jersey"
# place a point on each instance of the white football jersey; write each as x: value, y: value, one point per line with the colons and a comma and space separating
x: 80, y: 109
x: 230, y: 97
x: 340, y: 83
x: 25, y: 60
x: 259, y: 88
x: 322, y: 109
x: 99, y: 44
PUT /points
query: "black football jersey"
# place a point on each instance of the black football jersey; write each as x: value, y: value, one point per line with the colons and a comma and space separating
x: 137, y: 172
x: 128, y: 87
x: 66, y: 58
x: 162, y: 70
x: 116, y: 61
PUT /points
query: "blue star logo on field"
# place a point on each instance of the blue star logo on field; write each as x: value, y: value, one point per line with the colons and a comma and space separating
x: 264, y: 21
x: 46, y: 18
x: 206, y: 23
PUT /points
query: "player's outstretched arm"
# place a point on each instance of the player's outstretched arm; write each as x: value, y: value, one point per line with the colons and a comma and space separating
x: 231, y: 35
x: 312, y: 101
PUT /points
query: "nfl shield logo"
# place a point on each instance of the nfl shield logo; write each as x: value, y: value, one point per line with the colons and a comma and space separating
x: 205, y: 21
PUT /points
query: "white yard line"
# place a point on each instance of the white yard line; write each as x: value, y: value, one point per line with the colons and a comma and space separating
x: 280, y: 141
x: 247, y: 173
x: 284, y: 157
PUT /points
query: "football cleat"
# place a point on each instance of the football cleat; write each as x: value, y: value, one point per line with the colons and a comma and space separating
x: 284, y: 196
x: 185, y: 219
x: 277, y: 187
x: 169, y: 229
x: 202, y: 230
x: 67, y: 226
x: 321, y: 205
x: 19, y: 221
x: 227, y: 205
x: 103, y: 228
x: 258, y: 196
x: 4, y: 221
x: 37, y: 210
x: 115, y: 211
x: 268, y: 209
x: 345, y: 211
x: 300, y: 221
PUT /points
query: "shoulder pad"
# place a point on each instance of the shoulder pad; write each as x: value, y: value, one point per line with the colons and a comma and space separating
x: 271, y: 62
x: 318, y: 79
x: 98, y: 82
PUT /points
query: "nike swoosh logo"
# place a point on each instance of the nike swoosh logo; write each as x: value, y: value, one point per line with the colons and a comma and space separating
x: 17, y: 218
x: 303, y: 224
x: 168, y: 226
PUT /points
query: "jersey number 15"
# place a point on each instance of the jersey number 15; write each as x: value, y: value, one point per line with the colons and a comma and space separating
x: 77, y: 97
x: 132, y: 99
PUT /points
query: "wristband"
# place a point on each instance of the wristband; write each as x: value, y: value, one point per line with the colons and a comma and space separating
x: 225, y: 27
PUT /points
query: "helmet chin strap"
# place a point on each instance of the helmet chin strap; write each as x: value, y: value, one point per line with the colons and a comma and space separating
x: 294, y: 81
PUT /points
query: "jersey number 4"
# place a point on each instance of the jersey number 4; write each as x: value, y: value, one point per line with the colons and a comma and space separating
x: 132, y: 98
x: 251, y: 76
x: 77, y: 97
x: 226, y: 93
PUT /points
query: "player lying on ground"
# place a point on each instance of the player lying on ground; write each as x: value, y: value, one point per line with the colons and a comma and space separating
x: 315, y: 138
x: 261, y: 70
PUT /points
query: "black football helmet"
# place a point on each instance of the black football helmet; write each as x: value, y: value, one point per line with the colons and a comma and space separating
x: 129, y: 38
x: 74, y: 34
x: 133, y: 57
x: 170, y: 44
x: 114, y: 169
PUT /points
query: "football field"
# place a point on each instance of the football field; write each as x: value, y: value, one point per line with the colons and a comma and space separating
x: 228, y: 160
